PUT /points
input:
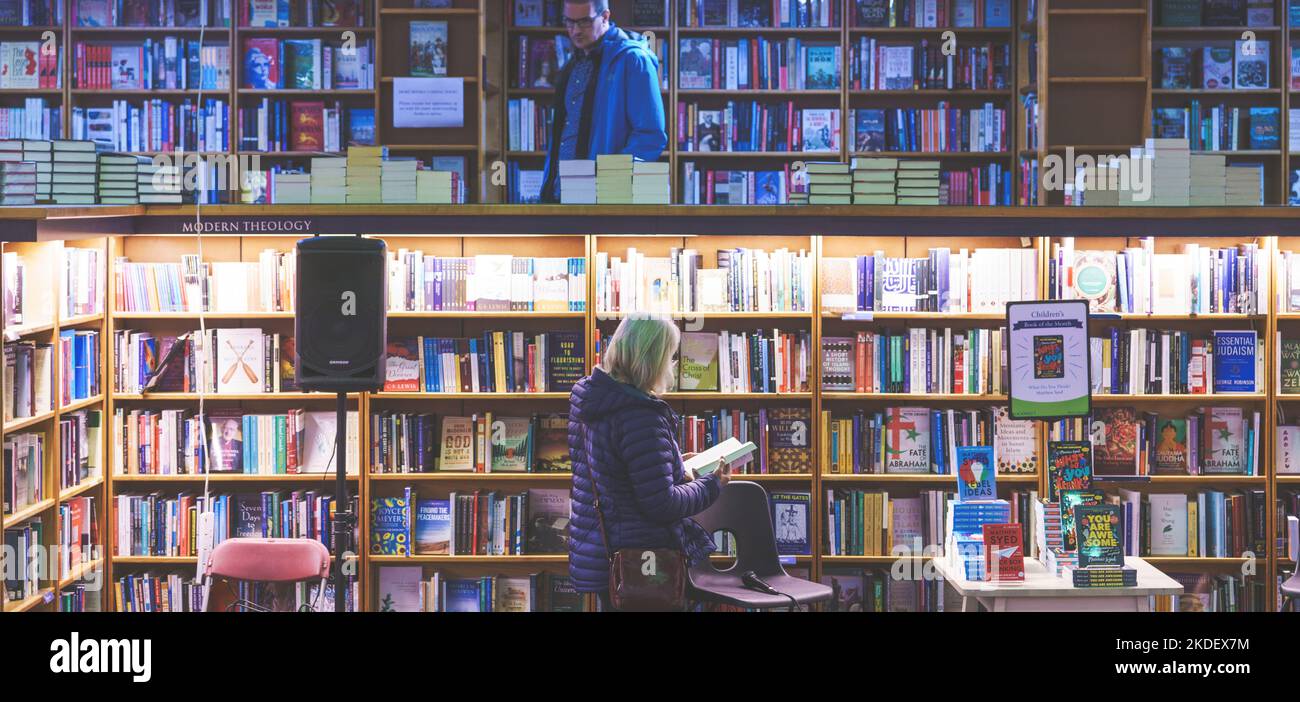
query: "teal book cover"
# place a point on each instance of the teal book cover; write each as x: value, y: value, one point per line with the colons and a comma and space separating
x: 976, y: 473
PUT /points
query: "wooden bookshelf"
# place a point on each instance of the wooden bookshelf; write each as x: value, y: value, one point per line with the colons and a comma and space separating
x: 45, y: 316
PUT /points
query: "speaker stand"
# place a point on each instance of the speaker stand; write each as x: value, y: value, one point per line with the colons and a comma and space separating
x: 344, y: 519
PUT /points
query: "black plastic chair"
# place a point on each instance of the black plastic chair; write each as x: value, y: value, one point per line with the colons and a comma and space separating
x: 743, y: 510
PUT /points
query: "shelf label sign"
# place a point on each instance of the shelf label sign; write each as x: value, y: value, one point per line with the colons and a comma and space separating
x: 1048, y: 361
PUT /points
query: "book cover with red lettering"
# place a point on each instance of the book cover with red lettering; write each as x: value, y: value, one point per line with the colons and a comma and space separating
x: 307, y: 126
x: 1004, y: 553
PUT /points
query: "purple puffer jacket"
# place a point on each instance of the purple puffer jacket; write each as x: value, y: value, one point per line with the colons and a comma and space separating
x: 645, y: 498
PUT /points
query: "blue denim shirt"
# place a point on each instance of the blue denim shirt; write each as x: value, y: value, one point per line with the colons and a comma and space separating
x: 575, y: 94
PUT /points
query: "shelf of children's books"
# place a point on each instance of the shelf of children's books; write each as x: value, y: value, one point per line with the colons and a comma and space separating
x: 82, y: 404
x: 27, y: 422
x: 77, y: 490
x: 30, y: 603
x: 33, y: 510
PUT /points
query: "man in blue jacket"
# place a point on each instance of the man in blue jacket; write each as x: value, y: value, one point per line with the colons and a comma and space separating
x: 607, y: 96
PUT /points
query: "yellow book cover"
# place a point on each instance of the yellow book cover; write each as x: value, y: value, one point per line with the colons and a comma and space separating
x: 1193, y: 546
x: 499, y: 361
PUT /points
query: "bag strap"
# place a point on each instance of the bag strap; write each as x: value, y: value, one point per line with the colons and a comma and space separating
x: 595, y: 491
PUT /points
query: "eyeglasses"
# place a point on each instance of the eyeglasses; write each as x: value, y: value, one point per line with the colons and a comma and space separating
x: 584, y: 23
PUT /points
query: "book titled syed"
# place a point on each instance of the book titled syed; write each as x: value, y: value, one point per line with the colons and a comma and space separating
x: 1004, y: 553
x: 1234, y: 360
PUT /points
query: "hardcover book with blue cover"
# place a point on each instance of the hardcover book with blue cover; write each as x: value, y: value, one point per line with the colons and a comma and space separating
x: 461, y: 596
x: 1234, y: 360
x: 976, y: 473
x: 390, y: 526
x: 433, y: 527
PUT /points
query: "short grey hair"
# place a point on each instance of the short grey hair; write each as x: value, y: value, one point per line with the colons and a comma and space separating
x: 641, y: 352
x: 597, y: 6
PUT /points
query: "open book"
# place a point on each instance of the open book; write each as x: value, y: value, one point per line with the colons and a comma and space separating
x: 731, y: 452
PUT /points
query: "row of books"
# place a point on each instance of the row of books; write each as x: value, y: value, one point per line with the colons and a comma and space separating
x: 168, y: 63
x: 172, y: 442
x: 919, y: 362
x: 485, y: 282
x: 409, y: 442
x: 157, y: 13
x: 874, y: 523
x: 482, y: 523
x: 227, y: 362
x: 946, y: 281
x: 1164, y: 172
x: 307, y: 64
x: 759, y: 13
x: 612, y: 179
x: 155, y: 524
x: 889, y: 181
x: 921, y: 440
x: 156, y: 124
x: 944, y: 129
x: 28, y: 574
x: 757, y: 63
x: 26, y: 65
x: 31, y: 13
x: 1242, y: 65
x: 1156, y: 362
x: 406, y: 589
x: 266, y: 285
x: 1197, y: 280
x: 150, y: 592
x: 29, y: 379
x: 1217, y: 13
x: 81, y: 454
x: 496, y: 362
x: 1208, y: 524
x: 272, y: 125
x: 923, y: 65
x: 753, y: 362
x: 80, y: 355
x: 706, y: 186
x: 750, y: 125
x: 24, y: 466
x: 1120, y: 443
x: 79, y: 536
x: 1029, y: 179
x: 743, y: 280
x: 877, y: 590
x: 83, y: 281
x: 1219, y: 127
x: 313, y: 13
x: 528, y: 125
x: 38, y: 118
x: 929, y: 13
x: 17, y: 183
x: 780, y: 433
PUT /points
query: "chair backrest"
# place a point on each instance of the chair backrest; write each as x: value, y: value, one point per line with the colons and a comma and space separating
x: 1293, y: 539
x: 743, y: 510
x: 269, y: 560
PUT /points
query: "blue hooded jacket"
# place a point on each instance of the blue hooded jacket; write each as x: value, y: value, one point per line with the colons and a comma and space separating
x: 627, y: 111
x: 625, y: 438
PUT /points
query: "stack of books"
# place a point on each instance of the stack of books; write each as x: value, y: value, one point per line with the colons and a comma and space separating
x: 40, y: 152
x: 1209, y: 179
x: 364, y: 173
x: 290, y: 188
x: 874, y: 181
x: 1171, y: 174
x: 1245, y: 184
x: 72, y: 172
x: 398, y: 180
x: 829, y: 183
x: 329, y: 182
x: 650, y: 185
x: 614, y: 179
x: 434, y: 187
x: 17, y: 181
x: 158, y: 185
x: 918, y: 182
x: 118, y: 178
x: 578, y: 182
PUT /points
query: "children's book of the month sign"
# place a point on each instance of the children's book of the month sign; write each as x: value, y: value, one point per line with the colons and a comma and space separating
x: 1047, y: 356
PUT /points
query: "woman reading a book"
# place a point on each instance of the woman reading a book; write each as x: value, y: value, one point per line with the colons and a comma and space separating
x: 622, y: 436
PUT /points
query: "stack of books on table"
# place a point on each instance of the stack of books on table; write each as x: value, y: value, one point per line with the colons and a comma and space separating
x: 17, y: 181
x: 918, y: 183
x: 435, y: 187
x: 578, y: 182
x: 829, y: 183
x: 159, y: 185
x: 364, y: 173
x: 118, y: 178
x: 650, y: 184
x: 614, y: 179
x: 329, y: 180
x: 874, y: 180
x: 40, y: 152
x: 72, y: 172
x: 290, y: 188
x: 1245, y: 184
x: 397, y: 182
x: 1093, y: 183
x: 1171, y: 173
x: 1209, y: 180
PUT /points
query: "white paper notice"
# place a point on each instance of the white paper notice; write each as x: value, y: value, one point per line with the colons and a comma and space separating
x: 428, y: 102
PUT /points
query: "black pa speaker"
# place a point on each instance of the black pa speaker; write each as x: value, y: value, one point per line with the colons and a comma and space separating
x: 341, y: 324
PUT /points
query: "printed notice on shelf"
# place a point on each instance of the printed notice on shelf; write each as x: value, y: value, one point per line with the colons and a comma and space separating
x: 1048, y: 359
x: 423, y: 103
